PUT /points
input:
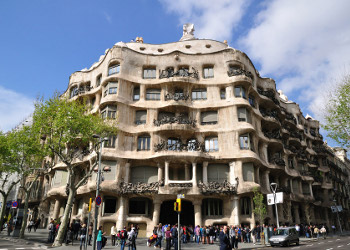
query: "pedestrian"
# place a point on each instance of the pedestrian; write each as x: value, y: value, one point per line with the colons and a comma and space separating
x: 30, y: 225
x: 253, y: 232
x: 113, y: 234
x: 132, y: 239
x: 224, y: 239
x: 323, y: 231
x: 211, y: 235
x: 82, y: 236
x: 37, y: 224
x: 123, y: 236
x: 159, y: 233
x: 168, y: 238
x: 90, y: 229
x: 174, y: 236
x: 100, y: 234
x: 52, y: 231
x: 9, y: 227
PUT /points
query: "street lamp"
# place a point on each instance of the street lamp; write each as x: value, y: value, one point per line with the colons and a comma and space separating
x: 98, y: 181
x: 336, y: 207
x: 273, y: 187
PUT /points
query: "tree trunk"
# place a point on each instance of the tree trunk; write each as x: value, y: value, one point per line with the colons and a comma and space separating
x: 25, y: 216
x: 65, y: 220
x: 3, y: 209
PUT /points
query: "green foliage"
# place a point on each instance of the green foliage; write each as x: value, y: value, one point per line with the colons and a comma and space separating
x: 68, y: 125
x: 260, y: 207
x: 337, y: 113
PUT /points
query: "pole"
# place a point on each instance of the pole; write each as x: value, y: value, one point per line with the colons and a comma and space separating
x: 87, y: 231
x: 274, y: 198
x: 179, y: 231
x: 97, y: 193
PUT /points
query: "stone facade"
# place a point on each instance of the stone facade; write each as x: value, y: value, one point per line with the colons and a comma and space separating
x: 196, y: 118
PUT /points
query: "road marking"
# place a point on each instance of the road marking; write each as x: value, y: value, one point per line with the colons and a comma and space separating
x: 310, y: 245
x: 330, y: 241
x: 337, y: 239
x: 20, y: 248
x: 329, y: 248
x: 319, y: 243
x: 341, y: 246
x: 295, y: 247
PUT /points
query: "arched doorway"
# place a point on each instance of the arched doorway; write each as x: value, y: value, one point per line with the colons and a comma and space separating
x: 169, y: 216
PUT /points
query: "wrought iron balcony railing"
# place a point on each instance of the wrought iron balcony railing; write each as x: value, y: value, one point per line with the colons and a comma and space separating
x: 237, y: 72
x: 183, y: 72
x: 175, y: 119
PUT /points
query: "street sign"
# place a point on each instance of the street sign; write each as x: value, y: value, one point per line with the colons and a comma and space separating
x: 14, y: 204
x: 98, y: 200
x: 181, y: 196
x: 270, y: 199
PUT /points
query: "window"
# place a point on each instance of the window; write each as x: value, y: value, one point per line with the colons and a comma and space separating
x: 73, y: 92
x: 246, y: 142
x: 212, y: 207
x: 290, y: 162
x: 93, y: 101
x: 199, y: 94
x: 136, y: 95
x: 211, y: 144
x: 153, y: 94
x: 139, y: 206
x: 208, y: 72
x: 98, y: 80
x: 252, y: 101
x: 218, y: 172
x: 295, y: 186
x: 110, y: 205
x: 209, y: 117
x: 149, y: 73
x: 174, y: 144
x: 111, y: 88
x: 248, y: 172
x: 144, y: 174
x: 179, y: 93
x: 222, y: 93
x: 114, y: 69
x: 111, y: 142
x: 143, y: 143
x: 240, y: 92
x: 305, y: 130
x: 109, y: 112
x: 306, y: 189
x: 245, y: 206
x: 140, y: 117
x: 243, y: 115
x: 191, y: 145
x: 165, y: 115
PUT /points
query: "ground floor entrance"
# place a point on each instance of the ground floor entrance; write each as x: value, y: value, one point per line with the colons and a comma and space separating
x: 169, y: 216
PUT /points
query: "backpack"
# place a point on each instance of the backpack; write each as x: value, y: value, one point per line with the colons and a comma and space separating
x: 207, y: 231
x: 104, y: 241
x: 122, y: 235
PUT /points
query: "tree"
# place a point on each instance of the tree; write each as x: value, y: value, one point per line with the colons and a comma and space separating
x: 337, y: 113
x: 68, y: 128
x: 26, y: 154
x: 8, y: 174
x: 259, y: 204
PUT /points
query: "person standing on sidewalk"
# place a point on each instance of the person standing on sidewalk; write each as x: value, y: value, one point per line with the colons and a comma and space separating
x: 99, y: 238
x: 159, y: 233
x: 168, y: 238
x: 113, y: 234
x: 224, y: 239
x: 323, y: 231
x: 82, y: 236
x: 254, y: 234
x: 90, y: 229
x: 123, y: 236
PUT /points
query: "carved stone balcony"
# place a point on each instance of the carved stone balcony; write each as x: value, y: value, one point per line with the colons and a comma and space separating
x: 295, y: 134
x: 139, y: 188
x: 278, y: 161
x: 175, y: 119
x: 275, y: 134
x: 291, y: 117
x: 238, y: 72
x: 81, y: 90
x: 217, y: 188
x: 269, y: 113
x: 269, y: 94
x: 192, y: 145
x: 320, y: 149
x: 183, y: 72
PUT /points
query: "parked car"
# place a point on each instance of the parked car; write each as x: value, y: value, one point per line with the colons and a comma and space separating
x: 284, y: 236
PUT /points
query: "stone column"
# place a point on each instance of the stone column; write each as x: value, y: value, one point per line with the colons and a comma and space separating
x: 311, y: 192
x: 296, y: 213
x: 197, y: 212
x: 160, y: 172
x: 156, y: 211
x: 142, y: 92
x: 265, y: 152
x: 98, y: 100
x: 127, y: 172
x: 267, y: 179
x: 121, y: 214
x: 228, y: 92
x: 194, y: 174
x: 56, y: 210
x: 234, y: 218
x: 166, y: 176
x: 257, y: 174
x: 187, y: 172
x: 205, y: 172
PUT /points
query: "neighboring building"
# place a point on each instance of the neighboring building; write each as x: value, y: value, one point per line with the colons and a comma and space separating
x: 196, y: 118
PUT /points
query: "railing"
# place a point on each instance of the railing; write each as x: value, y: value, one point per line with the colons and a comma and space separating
x: 81, y: 90
x: 139, y: 188
x: 183, y: 72
x: 179, y: 146
x: 174, y: 119
x: 278, y: 161
x: 291, y: 117
x: 296, y: 134
x: 270, y: 113
x: 177, y: 96
x: 237, y: 72
x: 218, y: 188
x: 275, y: 134
x: 269, y: 94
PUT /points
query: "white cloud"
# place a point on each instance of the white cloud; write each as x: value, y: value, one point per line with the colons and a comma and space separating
x: 14, y: 108
x: 107, y: 17
x: 306, y: 44
x: 212, y: 19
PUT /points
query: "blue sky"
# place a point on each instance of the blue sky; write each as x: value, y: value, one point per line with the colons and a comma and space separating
x: 303, y: 45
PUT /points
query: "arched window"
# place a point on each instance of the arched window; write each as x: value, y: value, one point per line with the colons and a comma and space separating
x: 113, y: 69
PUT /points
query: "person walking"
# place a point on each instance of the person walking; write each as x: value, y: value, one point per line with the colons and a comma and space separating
x: 174, y: 235
x: 123, y: 236
x: 159, y: 233
x: 82, y: 236
x: 323, y: 231
x: 168, y: 238
x: 224, y: 239
x: 132, y: 239
x: 90, y: 229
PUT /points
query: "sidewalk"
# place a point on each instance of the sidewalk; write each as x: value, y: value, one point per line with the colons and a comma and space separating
x: 39, y: 239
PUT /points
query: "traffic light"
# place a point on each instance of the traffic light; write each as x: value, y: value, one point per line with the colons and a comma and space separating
x: 176, y: 206
x: 179, y: 204
x: 90, y: 204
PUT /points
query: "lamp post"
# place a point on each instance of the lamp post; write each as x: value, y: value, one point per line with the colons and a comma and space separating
x: 273, y: 187
x: 98, y: 181
x: 336, y: 207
